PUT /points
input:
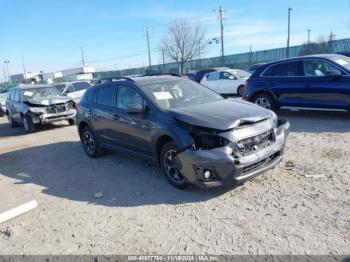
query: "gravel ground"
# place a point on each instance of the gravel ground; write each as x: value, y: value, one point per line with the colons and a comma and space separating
x: 301, y: 207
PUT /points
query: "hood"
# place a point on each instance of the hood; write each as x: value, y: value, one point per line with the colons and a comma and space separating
x: 47, y: 101
x: 223, y: 114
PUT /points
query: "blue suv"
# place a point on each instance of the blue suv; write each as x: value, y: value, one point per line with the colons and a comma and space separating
x: 317, y: 82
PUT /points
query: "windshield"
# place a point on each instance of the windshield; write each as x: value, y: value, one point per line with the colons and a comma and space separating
x: 40, y: 92
x: 179, y: 93
x: 60, y: 87
x: 240, y: 73
x: 342, y: 60
x: 78, y: 86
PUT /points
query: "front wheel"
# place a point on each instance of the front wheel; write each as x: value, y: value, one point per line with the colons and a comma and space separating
x: 28, y: 124
x: 265, y: 101
x: 71, y: 121
x: 170, y: 167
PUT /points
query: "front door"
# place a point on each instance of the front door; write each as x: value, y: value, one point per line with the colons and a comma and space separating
x: 325, y: 91
x: 132, y: 131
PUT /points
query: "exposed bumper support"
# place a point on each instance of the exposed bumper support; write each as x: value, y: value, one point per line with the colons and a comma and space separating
x: 50, y: 118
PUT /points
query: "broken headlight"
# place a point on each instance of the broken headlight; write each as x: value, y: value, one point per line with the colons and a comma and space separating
x: 273, y: 120
x: 37, y: 110
x: 209, y: 141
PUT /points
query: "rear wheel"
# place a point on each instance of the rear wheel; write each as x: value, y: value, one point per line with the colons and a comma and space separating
x: 12, y: 122
x: 28, y: 124
x: 265, y: 100
x: 90, y: 144
x: 170, y: 167
x: 241, y: 91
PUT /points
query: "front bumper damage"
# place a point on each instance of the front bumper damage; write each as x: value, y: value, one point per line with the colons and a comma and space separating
x: 45, y: 118
x: 227, y: 165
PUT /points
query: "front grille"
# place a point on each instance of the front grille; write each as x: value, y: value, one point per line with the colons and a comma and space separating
x: 252, y: 144
x: 56, y: 109
x: 259, y: 164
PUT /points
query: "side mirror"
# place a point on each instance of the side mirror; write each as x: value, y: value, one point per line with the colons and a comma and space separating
x: 134, y: 109
x: 336, y: 74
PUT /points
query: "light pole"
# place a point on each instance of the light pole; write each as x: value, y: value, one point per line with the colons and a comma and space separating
x: 288, y: 39
x: 6, y: 62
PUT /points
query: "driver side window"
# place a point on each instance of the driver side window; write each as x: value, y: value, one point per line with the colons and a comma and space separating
x: 226, y: 75
x: 128, y: 96
x: 317, y: 68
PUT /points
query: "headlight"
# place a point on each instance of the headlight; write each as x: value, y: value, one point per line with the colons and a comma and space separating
x: 37, y: 110
x: 273, y: 120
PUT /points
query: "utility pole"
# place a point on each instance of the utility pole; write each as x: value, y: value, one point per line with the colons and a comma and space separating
x: 308, y: 36
x: 82, y: 55
x: 3, y: 68
x: 24, y: 70
x: 331, y: 36
x: 148, y: 48
x: 221, y: 18
x: 163, y: 60
x: 8, y: 72
x: 288, y: 39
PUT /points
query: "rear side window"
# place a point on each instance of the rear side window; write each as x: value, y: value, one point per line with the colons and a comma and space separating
x: 106, y: 94
x: 289, y: 69
x: 89, y: 94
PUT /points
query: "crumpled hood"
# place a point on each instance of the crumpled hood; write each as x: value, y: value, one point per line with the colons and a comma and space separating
x: 47, y: 101
x: 223, y: 115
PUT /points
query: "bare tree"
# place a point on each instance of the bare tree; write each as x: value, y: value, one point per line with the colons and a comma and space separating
x: 182, y: 42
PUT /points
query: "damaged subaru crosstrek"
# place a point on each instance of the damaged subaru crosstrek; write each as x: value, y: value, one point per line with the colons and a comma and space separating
x: 195, y: 135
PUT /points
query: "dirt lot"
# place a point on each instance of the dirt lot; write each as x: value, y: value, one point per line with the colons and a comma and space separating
x: 301, y: 207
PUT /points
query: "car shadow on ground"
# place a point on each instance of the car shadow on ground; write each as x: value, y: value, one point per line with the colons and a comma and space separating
x: 317, y: 122
x: 64, y: 171
x: 7, y: 131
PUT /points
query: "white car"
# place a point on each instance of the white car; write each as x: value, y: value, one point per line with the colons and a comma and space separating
x: 226, y: 81
x: 74, y: 89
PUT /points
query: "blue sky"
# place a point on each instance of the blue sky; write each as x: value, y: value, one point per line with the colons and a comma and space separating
x: 48, y: 34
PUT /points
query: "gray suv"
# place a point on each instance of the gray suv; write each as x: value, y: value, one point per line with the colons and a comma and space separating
x: 38, y: 104
x: 195, y: 135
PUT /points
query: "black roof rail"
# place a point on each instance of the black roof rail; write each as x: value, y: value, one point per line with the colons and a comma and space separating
x: 161, y: 74
x: 112, y: 79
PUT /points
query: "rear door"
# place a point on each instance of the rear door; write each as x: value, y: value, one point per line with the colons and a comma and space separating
x: 324, y: 91
x: 103, y: 112
x: 287, y: 82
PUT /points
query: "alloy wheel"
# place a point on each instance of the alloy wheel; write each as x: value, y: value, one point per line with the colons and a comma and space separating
x: 171, y: 167
x: 89, y: 142
x: 263, y: 102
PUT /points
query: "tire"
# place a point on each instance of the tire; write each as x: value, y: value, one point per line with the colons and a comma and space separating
x: 1, y: 113
x: 28, y: 124
x: 12, y: 122
x: 71, y: 121
x: 241, y: 91
x: 265, y: 100
x: 170, y: 168
x: 89, y: 142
